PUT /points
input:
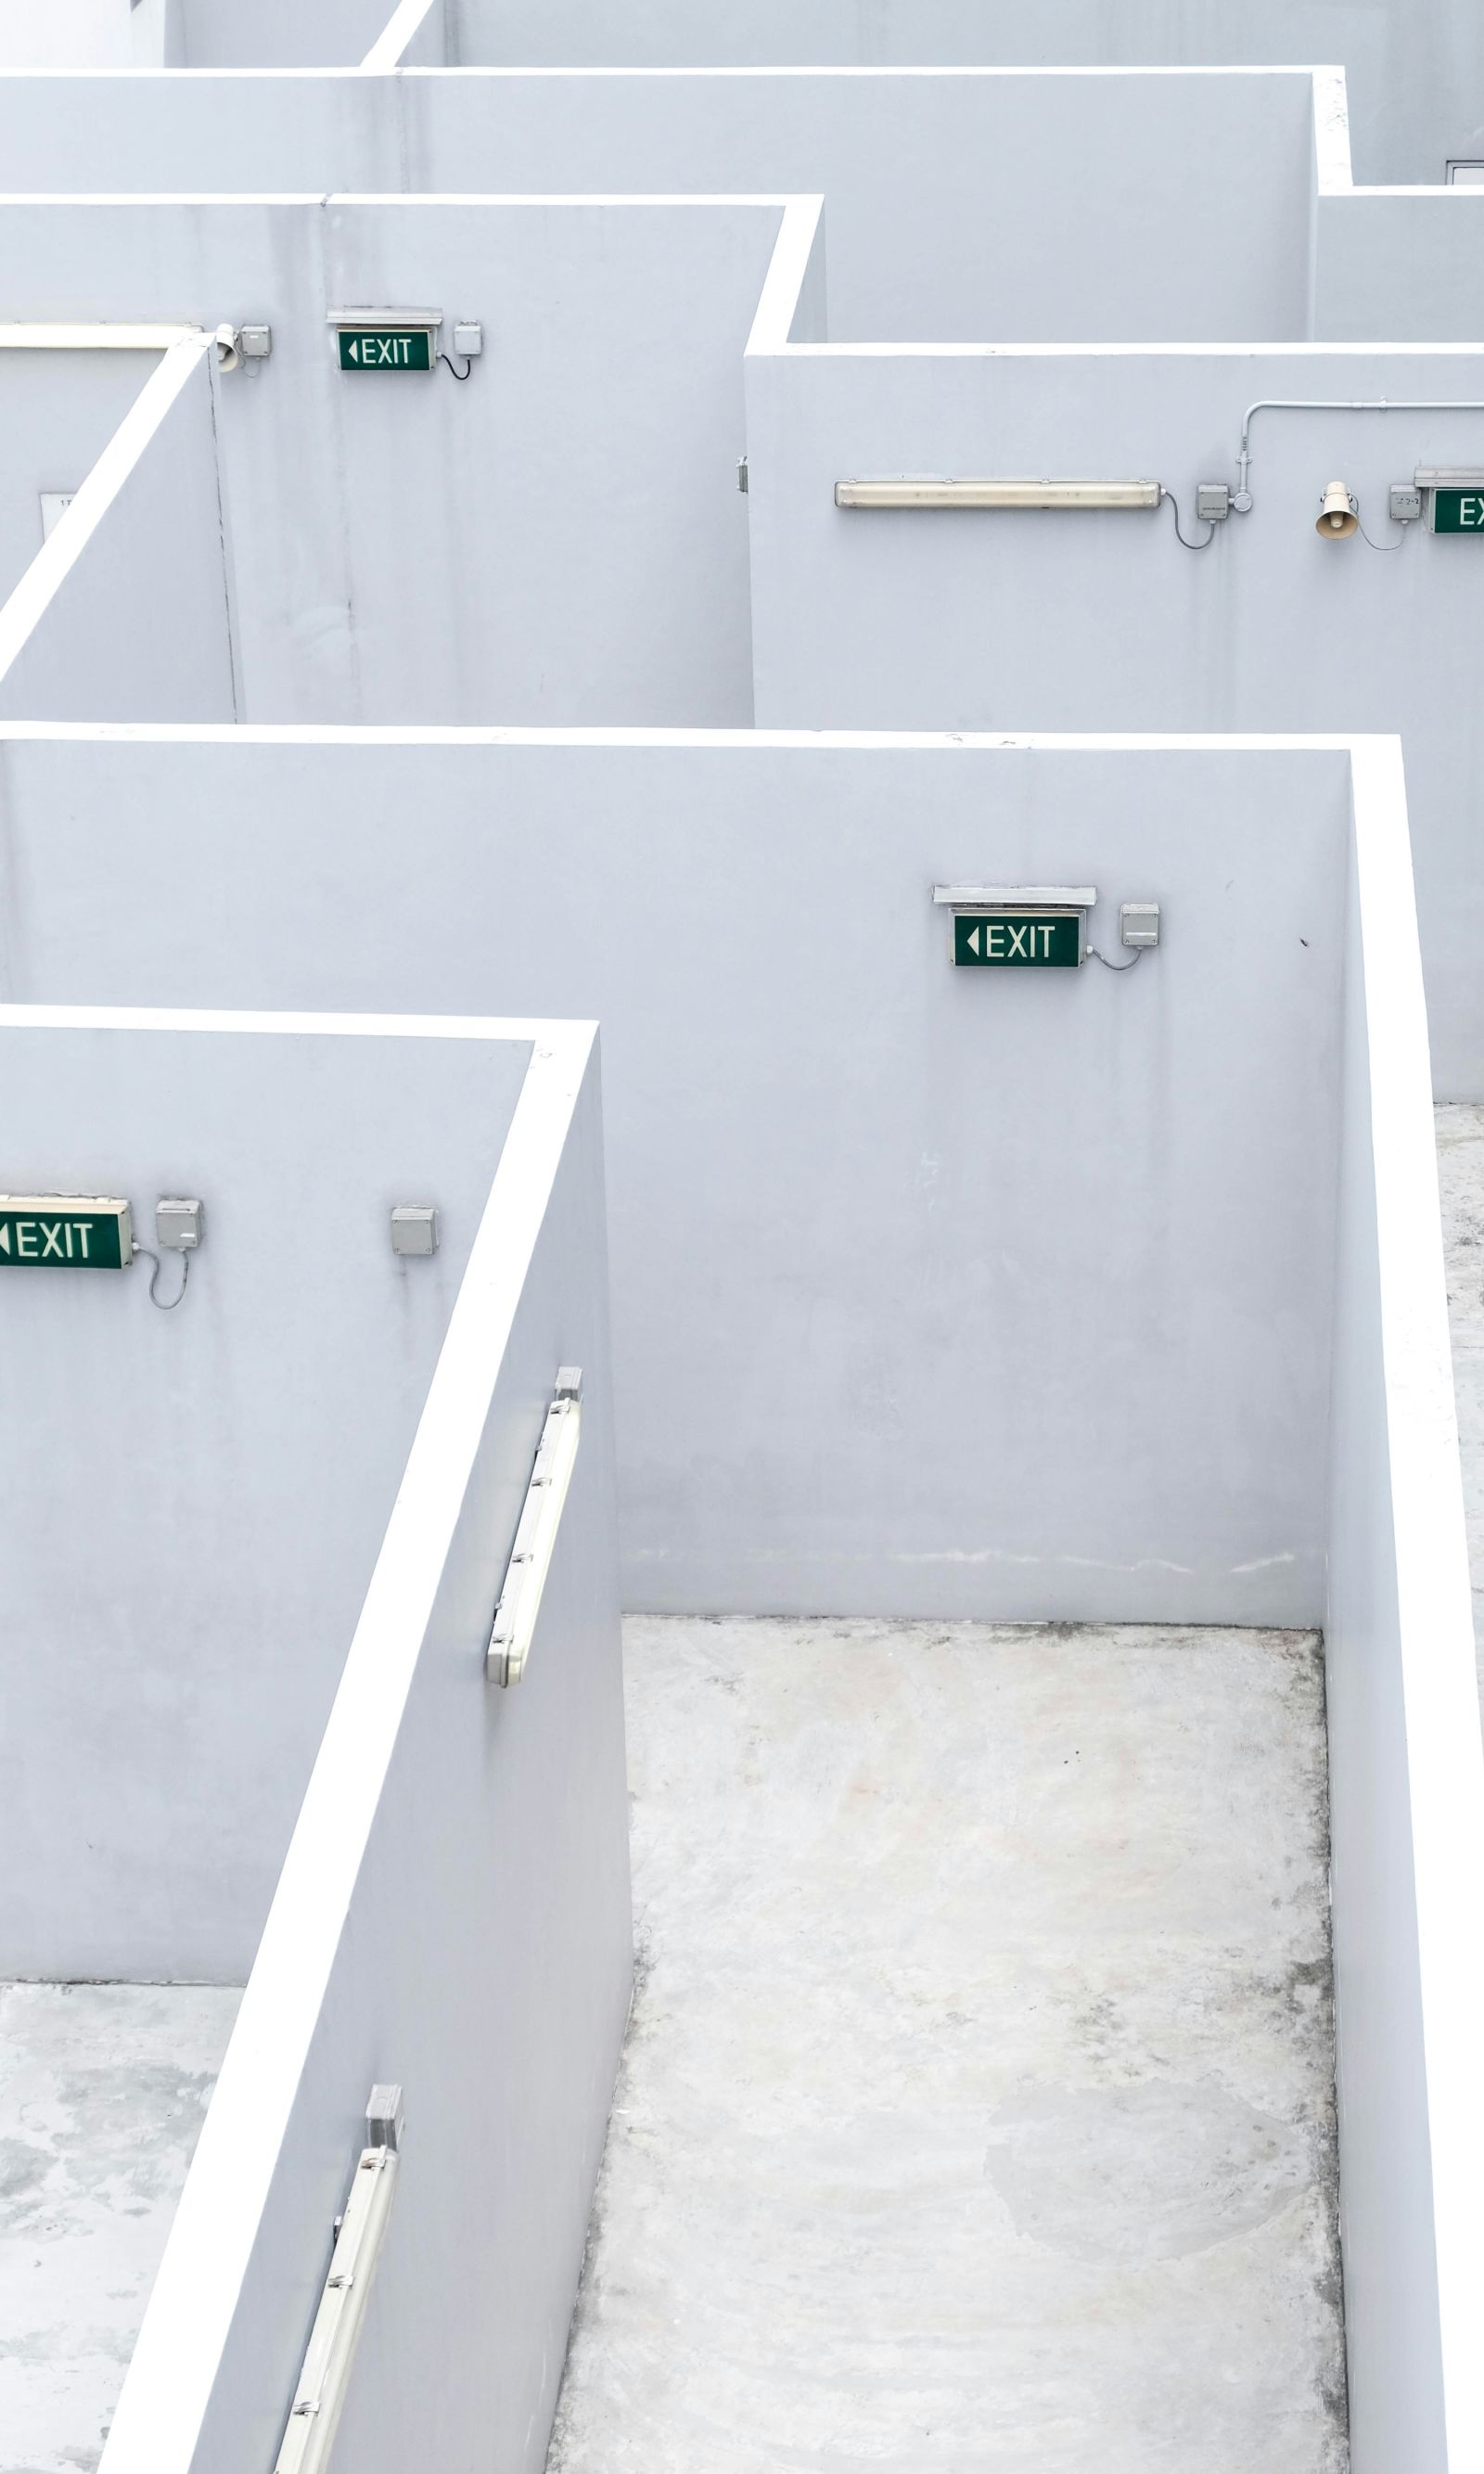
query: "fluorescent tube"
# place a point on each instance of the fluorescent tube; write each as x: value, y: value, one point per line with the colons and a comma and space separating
x: 536, y: 1533
x: 997, y: 494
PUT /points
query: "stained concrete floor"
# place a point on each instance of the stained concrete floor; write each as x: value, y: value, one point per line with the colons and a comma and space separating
x: 1461, y: 1181
x: 977, y: 2109
x: 102, y: 2092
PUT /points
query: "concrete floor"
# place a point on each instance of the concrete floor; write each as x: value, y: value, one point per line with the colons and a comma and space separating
x: 977, y: 2110
x: 102, y: 2092
x: 1461, y: 1180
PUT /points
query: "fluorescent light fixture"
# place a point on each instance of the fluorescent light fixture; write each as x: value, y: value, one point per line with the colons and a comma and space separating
x: 1016, y: 897
x: 100, y: 337
x: 315, y: 2413
x: 997, y: 494
x: 536, y: 1533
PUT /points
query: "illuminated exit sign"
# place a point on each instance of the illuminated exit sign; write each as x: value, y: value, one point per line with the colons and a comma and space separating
x: 85, y: 1233
x: 1457, y: 510
x: 386, y: 348
x: 1017, y: 940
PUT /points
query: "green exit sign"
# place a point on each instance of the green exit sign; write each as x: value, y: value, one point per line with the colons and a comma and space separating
x: 386, y: 348
x: 1457, y: 510
x: 89, y: 1232
x: 1017, y: 940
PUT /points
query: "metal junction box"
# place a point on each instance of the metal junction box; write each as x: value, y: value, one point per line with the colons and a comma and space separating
x: 1138, y: 924
x: 414, y: 1229
x: 179, y: 1223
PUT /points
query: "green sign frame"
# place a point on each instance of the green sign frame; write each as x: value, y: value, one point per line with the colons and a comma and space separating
x: 1017, y: 940
x: 79, y: 1233
x: 1456, y: 508
x: 396, y: 349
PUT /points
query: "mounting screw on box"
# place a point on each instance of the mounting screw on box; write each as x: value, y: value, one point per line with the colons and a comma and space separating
x: 179, y: 1223
x: 1139, y: 923
x: 414, y: 1229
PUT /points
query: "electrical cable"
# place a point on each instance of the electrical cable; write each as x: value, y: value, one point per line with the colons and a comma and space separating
x: 1386, y: 549
x: 1185, y: 544
x: 460, y: 375
x: 1093, y: 955
x: 166, y: 1305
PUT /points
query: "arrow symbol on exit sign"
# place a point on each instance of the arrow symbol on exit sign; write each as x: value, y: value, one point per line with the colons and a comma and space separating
x: 5, y: 1241
x: 972, y: 940
x: 354, y: 349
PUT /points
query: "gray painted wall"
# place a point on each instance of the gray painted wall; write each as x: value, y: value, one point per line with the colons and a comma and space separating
x: 1102, y: 621
x: 58, y: 411
x: 1403, y: 268
x: 288, y: 34
x: 195, y: 1500
x: 961, y: 207
x: 141, y: 621
x: 428, y: 44
x: 933, y: 1294
x: 559, y: 540
x: 1417, y: 73
x: 454, y: 1915
x: 85, y: 33
x: 179, y: 34
x: 1391, y: 2287
x: 1406, y: 1767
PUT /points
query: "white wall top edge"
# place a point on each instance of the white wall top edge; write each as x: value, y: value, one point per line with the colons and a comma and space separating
x: 788, y: 274
x: 214, y: 2230
x: 1332, y: 133
x: 855, y: 69
x: 57, y: 555
x: 1327, y: 78
x: 305, y: 734
x: 549, y: 1036
x: 557, y: 69
x: 1406, y: 189
x: 394, y: 198
x: 1440, y: 1696
x: 1215, y: 351
x: 396, y: 35
x: 103, y: 335
x: 785, y: 285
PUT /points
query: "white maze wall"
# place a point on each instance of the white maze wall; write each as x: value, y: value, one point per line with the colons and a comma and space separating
x: 554, y: 683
